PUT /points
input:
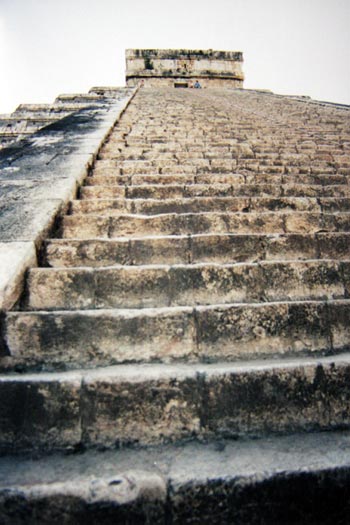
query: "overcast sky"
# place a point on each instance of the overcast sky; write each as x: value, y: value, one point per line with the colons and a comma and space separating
x: 49, y: 47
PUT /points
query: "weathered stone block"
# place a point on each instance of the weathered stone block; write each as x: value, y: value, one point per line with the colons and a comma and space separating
x: 133, y: 495
x: 334, y: 244
x: 291, y: 247
x: 277, y: 400
x: 242, y: 331
x: 88, y: 252
x: 161, y: 250
x: 339, y: 323
x: 92, y: 338
x: 142, y: 408
x: 39, y: 413
x: 227, y: 248
x: 74, y: 227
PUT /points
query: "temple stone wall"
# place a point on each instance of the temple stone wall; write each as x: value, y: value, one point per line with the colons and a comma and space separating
x: 170, y: 68
x: 183, y: 82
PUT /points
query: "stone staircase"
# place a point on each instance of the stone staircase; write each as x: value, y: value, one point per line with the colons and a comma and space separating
x: 188, y: 328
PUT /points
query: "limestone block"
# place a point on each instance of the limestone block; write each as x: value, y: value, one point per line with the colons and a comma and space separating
x: 339, y: 320
x: 227, y: 248
x: 87, y: 253
x: 99, y: 337
x: 234, y: 331
x: 39, y: 413
x: 145, y: 407
x: 251, y: 479
x: 75, y: 227
x: 330, y: 244
x: 161, y: 250
x: 97, y: 253
x: 191, y: 205
x: 303, y: 222
x: 301, y: 280
x: 101, y: 192
x: 335, y: 205
x: 264, y: 475
x: 267, y: 400
x: 292, y: 246
x: 133, y: 495
x: 102, y: 207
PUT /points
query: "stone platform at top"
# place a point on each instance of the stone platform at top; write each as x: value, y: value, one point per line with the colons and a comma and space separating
x: 182, y: 67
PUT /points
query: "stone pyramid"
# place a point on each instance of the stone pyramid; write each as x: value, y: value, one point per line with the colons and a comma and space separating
x: 175, y: 312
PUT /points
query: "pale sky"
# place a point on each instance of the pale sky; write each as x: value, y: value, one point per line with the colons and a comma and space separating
x: 49, y: 47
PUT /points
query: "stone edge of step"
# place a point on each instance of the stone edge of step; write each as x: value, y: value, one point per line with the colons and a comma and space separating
x: 182, y: 479
x: 108, y: 407
x: 141, y: 372
x: 189, y: 249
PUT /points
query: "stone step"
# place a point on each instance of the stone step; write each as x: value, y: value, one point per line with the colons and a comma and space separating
x: 226, y: 162
x: 155, y: 186
x: 148, y: 153
x: 143, y: 167
x: 234, y: 177
x: 110, y: 169
x: 141, y: 180
x: 278, y: 479
x: 215, y: 166
x: 156, y: 191
x: 185, y: 285
x: 298, y: 178
x: 134, y: 204
x: 334, y: 205
x: 87, y: 226
x: 87, y: 338
x: 155, y: 404
x: 166, y: 191
x: 223, y: 157
x: 224, y: 248
x: 115, y: 206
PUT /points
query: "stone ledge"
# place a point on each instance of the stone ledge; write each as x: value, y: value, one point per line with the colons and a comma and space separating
x: 108, y: 407
x: 38, y: 177
x: 236, y: 56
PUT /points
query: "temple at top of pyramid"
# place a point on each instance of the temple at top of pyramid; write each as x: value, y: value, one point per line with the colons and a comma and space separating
x: 183, y: 67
